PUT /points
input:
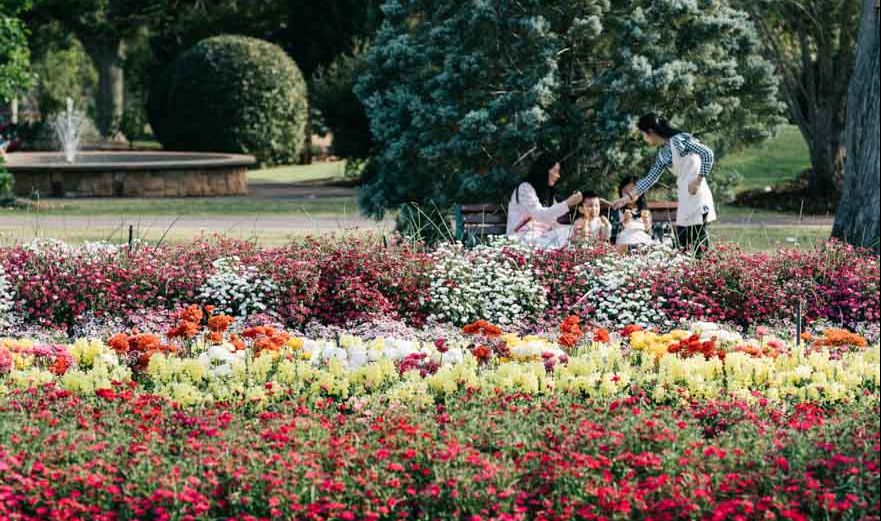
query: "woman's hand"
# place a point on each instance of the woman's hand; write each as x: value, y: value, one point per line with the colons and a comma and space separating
x: 574, y: 199
x: 617, y: 204
x: 695, y: 185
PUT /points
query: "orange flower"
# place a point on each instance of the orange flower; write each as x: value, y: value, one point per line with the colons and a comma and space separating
x: 236, y: 341
x: 215, y: 337
x: 601, y: 335
x: 255, y: 331
x: 571, y: 332
x: 569, y: 340
x: 185, y: 329
x: 482, y: 327
x: 835, y: 337
x: 629, y: 330
x: 119, y: 343
x: 144, y: 342
x: 220, y: 323
x: 191, y: 313
x: 60, y: 365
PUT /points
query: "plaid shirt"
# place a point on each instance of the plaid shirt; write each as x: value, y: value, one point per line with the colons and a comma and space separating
x: 685, y: 144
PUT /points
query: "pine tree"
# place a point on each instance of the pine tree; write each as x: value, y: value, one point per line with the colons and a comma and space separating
x: 460, y: 94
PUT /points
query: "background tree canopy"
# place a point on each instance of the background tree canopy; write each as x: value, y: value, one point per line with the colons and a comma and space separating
x: 14, y: 53
x: 460, y: 94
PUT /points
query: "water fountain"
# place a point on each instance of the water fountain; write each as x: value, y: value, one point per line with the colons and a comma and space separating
x: 74, y: 173
x: 67, y: 127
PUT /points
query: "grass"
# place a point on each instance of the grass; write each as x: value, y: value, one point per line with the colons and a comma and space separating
x: 196, y: 206
x: 119, y: 234
x: 779, y: 159
x: 765, y: 238
x: 316, y: 172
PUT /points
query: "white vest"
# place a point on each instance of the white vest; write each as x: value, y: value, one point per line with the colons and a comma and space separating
x: 691, y: 208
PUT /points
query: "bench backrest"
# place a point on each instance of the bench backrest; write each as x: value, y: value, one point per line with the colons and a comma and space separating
x: 662, y: 211
x: 478, y: 221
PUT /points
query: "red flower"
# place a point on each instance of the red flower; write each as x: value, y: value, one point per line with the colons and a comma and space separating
x: 106, y: 394
x: 630, y: 329
x: 601, y: 335
x: 482, y: 353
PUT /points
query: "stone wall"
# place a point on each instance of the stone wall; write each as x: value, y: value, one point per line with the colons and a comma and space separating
x: 195, y: 182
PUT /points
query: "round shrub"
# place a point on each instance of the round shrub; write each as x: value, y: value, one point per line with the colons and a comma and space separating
x: 232, y: 94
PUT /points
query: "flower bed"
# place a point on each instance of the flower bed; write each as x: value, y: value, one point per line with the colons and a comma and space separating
x: 205, y: 359
x: 49, y: 285
x: 128, y: 455
x: 358, y: 381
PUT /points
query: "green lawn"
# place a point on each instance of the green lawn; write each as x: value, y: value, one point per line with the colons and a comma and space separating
x: 780, y: 158
x: 751, y: 239
x: 119, y: 235
x: 316, y: 172
x: 216, y: 206
x: 763, y: 238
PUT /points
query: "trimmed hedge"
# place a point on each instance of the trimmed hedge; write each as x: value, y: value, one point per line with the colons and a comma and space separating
x: 232, y: 94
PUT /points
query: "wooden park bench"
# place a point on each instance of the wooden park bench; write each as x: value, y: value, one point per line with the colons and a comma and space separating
x: 475, y: 223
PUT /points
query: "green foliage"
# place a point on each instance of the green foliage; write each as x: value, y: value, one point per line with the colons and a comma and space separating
x: 64, y: 72
x: 330, y: 91
x: 138, y: 65
x: 232, y: 94
x: 315, y: 33
x: 7, y: 182
x: 460, y: 95
x: 14, y: 53
x: 96, y: 22
x: 724, y: 185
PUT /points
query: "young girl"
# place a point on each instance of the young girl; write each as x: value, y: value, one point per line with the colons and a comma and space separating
x: 633, y: 221
x: 590, y: 226
x: 691, y: 161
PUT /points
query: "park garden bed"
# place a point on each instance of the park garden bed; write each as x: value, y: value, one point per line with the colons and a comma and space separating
x: 353, y: 380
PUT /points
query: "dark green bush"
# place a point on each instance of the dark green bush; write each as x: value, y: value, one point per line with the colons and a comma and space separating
x: 232, y: 94
x: 331, y: 93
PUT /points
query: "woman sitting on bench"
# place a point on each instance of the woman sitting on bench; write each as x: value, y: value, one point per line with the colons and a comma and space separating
x: 533, y: 212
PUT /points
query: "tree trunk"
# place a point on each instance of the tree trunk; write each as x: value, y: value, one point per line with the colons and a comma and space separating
x: 108, y: 57
x: 858, y: 212
x: 826, y: 146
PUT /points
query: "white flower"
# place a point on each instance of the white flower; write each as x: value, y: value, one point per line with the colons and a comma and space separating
x: 237, y: 289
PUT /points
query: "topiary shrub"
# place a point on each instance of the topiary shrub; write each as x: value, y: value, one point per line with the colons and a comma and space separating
x: 232, y: 94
